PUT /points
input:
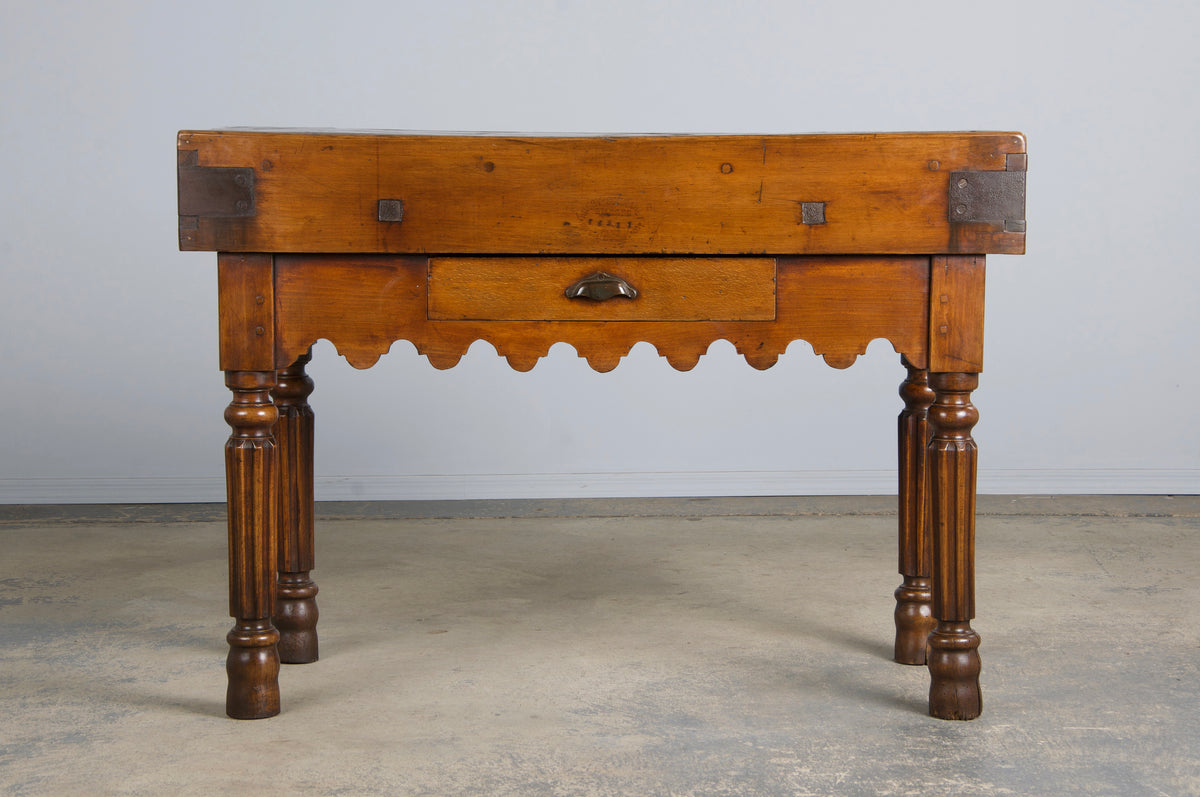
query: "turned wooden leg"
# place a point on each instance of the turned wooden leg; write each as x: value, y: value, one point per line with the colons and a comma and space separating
x: 296, y: 593
x: 953, y: 646
x: 914, y: 617
x: 253, y: 663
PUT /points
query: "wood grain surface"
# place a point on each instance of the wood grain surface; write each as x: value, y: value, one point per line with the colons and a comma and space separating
x: 363, y: 304
x: 320, y: 192
x: 667, y: 289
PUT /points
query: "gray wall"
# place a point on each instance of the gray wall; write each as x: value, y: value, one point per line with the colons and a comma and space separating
x: 110, y: 388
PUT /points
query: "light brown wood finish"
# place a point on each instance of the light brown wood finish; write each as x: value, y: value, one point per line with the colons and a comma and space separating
x: 956, y: 314
x: 700, y: 195
x: 362, y: 304
x: 245, y: 286
x: 667, y: 289
x: 368, y: 238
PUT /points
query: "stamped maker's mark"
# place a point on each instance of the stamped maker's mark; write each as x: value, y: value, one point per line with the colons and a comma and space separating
x: 611, y: 214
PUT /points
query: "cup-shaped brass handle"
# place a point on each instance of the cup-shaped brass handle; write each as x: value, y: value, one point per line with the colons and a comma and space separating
x: 600, y: 287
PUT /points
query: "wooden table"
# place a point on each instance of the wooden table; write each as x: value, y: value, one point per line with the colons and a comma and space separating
x: 365, y: 238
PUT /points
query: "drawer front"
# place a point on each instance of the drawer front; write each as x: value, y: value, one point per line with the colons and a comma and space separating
x: 602, y: 289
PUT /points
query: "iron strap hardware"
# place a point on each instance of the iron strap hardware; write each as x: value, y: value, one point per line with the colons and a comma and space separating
x: 995, y: 197
x: 215, y: 191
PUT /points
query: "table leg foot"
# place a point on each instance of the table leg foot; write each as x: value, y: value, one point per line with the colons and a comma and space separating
x: 296, y: 618
x: 253, y: 670
x: 954, y: 672
x: 914, y: 619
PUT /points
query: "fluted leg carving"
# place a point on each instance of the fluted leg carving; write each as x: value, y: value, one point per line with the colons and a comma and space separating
x: 914, y: 617
x: 296, y: 594
x: 253, y: 662
x: 953, y: 654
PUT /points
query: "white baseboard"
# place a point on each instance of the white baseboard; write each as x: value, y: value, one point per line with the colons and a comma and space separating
x: 603, y: 485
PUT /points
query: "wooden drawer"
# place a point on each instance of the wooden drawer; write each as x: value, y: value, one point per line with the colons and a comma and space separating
x: 650, y: 289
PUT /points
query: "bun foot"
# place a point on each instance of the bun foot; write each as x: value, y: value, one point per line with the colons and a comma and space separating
x: 253, y: 669
x: 296, y: 618
x: 954, y: 672
x: 914, y: 619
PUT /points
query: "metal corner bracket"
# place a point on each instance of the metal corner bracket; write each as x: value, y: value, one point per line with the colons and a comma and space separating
x: 996, y: 197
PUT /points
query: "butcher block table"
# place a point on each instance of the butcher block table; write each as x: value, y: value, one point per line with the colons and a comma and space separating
x: 366, y: 238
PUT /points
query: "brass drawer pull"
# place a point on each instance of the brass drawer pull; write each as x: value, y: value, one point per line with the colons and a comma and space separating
x: 600, y: 287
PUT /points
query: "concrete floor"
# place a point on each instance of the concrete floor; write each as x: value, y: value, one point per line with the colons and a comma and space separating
x: 667, y: 647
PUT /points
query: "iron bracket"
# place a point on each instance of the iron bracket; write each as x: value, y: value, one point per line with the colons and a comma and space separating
x: 993, y: 196
x: 214, y: 191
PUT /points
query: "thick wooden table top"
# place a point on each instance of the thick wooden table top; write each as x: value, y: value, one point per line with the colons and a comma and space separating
x: 415, y: 193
